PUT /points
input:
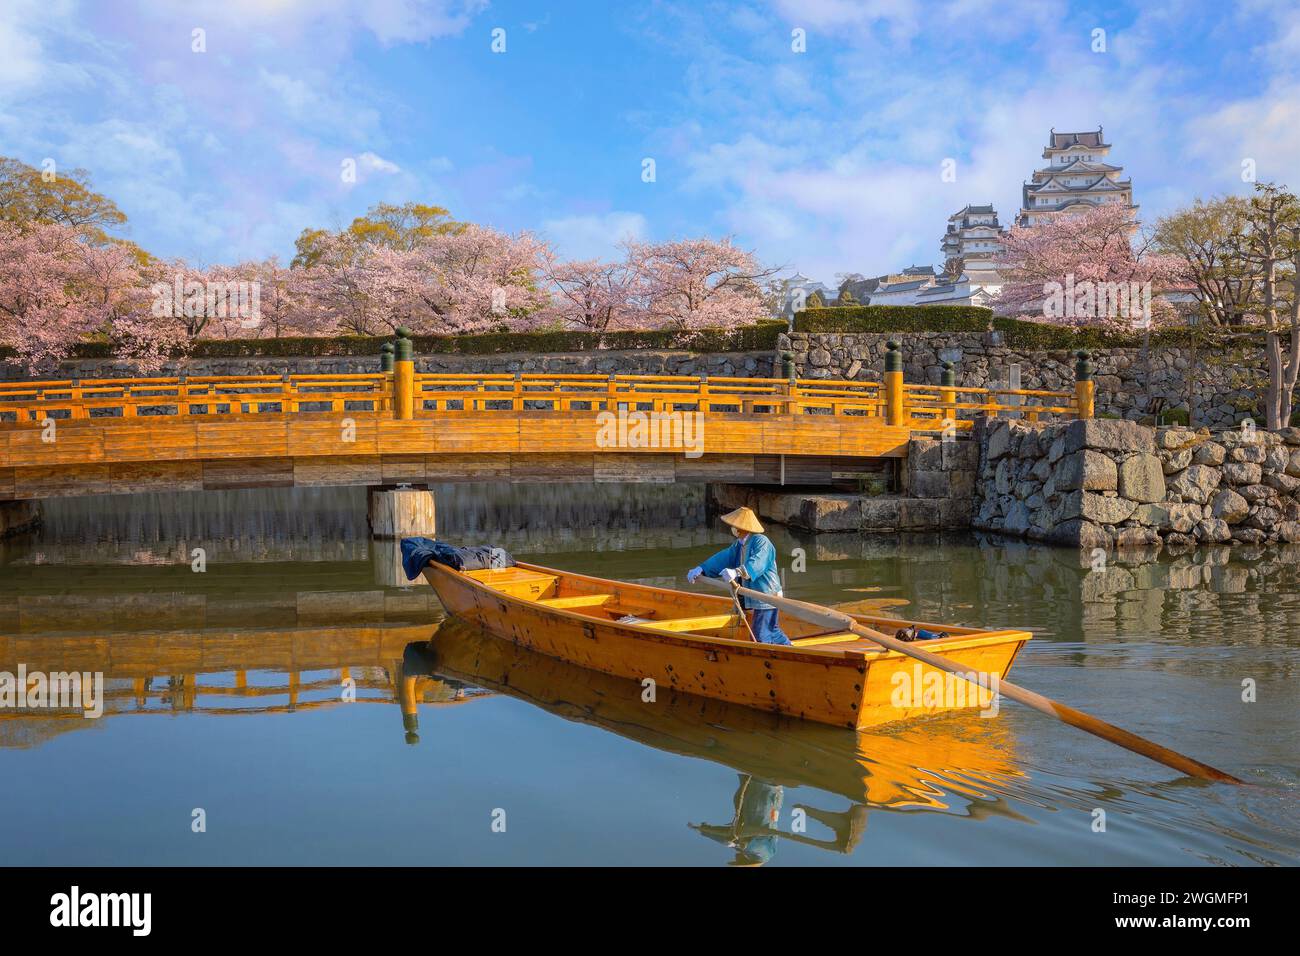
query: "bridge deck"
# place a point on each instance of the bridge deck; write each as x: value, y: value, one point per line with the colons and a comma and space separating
x: 129, y: 435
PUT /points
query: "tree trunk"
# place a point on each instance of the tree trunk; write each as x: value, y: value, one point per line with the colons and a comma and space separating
x: 1273, y: 400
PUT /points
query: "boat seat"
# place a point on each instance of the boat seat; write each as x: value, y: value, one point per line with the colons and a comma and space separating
x: 812, y: 640
x: 712, y: 622
x: 577, y: 600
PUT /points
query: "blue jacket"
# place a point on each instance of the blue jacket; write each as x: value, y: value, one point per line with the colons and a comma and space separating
x: 755, y: 559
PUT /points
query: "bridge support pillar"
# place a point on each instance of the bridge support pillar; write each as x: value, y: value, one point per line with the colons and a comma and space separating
x: 403, y: 376
x: 895, y: 409
x: 1084, y: 386
x: 401, y: 512
x: 18, y: 516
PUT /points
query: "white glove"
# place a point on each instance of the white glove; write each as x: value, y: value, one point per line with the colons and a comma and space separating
x: 729, y: 575
x: 693, y: 574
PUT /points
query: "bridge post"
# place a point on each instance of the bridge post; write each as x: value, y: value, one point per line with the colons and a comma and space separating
x: 1084, y: 387
x: 895, y: 413
x: 949, y: 384
x: 385, y: 402
x: 404, y: 376
x: 401, y: 512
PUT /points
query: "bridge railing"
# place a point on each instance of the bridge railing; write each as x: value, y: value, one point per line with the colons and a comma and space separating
x: 540, y: 392
x: 407, y: 394
x: 199, y: 395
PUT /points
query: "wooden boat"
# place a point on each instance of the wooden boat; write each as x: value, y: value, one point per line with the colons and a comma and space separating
x: 923, y: 764
x: 698, y: 644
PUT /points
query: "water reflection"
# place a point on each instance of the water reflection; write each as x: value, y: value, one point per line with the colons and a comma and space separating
x: 297, y: 605
x: 959, y: 763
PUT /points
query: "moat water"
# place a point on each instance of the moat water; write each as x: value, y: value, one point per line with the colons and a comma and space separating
x: 305, y: 705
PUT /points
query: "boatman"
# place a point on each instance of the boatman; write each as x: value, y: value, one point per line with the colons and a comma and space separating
x: 750, y: 562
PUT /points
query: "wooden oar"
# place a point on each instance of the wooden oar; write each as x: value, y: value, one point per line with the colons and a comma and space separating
x: 828, y: 617
x: 735, y: 599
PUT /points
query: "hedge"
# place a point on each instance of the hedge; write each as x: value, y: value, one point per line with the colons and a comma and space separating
x: 895, y: 318
x: 1016, y: 333
x: 751, y: 338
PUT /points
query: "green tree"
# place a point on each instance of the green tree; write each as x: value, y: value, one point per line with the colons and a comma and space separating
x: 384, y: 224
x: 1204, y: 236
x: 815, y: 301
x: 28, y: 194
x: 1269, y: 245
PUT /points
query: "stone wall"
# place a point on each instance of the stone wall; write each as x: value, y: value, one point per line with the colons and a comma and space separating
x: 1218, y: 394
x: 632, y: 362
x: 1104, y: 483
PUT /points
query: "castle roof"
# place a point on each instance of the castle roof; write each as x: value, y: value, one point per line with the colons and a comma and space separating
x: 1091, y: 139
x: 973, y: 211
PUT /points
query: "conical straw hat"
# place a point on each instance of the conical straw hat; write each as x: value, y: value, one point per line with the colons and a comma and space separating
x: 743, y: 519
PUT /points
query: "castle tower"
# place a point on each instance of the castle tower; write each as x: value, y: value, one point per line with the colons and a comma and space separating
x: 1076, y: 175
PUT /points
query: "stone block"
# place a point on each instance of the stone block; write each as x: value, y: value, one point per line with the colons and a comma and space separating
x: 1076, y: 532
x: 1087, y: 470
x: 1105, y: 434
x: 1103, y: 509
x: 1196, y: 483
x: 1241, y: 473
x: 1141, y: 478
x: 1229, y: 506
x: 1210, y: 453
x: 930, y: 484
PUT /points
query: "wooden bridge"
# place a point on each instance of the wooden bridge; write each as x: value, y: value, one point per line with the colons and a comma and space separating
x: 129, y: 435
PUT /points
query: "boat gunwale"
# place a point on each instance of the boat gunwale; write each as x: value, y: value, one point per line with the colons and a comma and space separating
x: 820, y: 655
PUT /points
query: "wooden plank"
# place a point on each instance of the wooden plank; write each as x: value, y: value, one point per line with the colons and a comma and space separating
x: 149, y: 438
x: 467, y: 467
x: 248, y: 473
x: 57, y: 481
x: 136, y: 476
x: 75, y: 442
x: 337, y: 470
x: 400, y: 468
x: 710, y: 622
x: 730, y: 468
x: 578, y: 600
x: 342, y: 433
x: 615, y: 467
x: 247, y: 437
x: 552, y: 467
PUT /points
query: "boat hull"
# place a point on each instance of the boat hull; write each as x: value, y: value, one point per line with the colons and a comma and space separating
x: 846, y: 688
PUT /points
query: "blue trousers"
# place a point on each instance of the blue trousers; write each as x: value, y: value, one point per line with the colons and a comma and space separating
x: 766, y: 627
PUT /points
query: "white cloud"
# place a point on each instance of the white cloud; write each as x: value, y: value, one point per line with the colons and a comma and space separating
x: 374, y: 163
x: 594, y: 236
x: 390, y: 21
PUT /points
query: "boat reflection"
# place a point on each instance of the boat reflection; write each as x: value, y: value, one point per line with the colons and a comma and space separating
x: 957, y: 763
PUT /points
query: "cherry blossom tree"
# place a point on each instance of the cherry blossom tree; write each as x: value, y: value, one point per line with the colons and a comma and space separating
x: 592, y: 295
x: 1086, y: 269
x: 58, y: 288
x: 696, y: 283
x: 471, y: 280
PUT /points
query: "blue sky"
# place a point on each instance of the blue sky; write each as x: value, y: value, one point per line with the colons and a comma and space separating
x: 827, y: 160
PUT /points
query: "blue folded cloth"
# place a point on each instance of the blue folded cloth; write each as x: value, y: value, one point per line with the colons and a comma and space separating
x: 418, y: 552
